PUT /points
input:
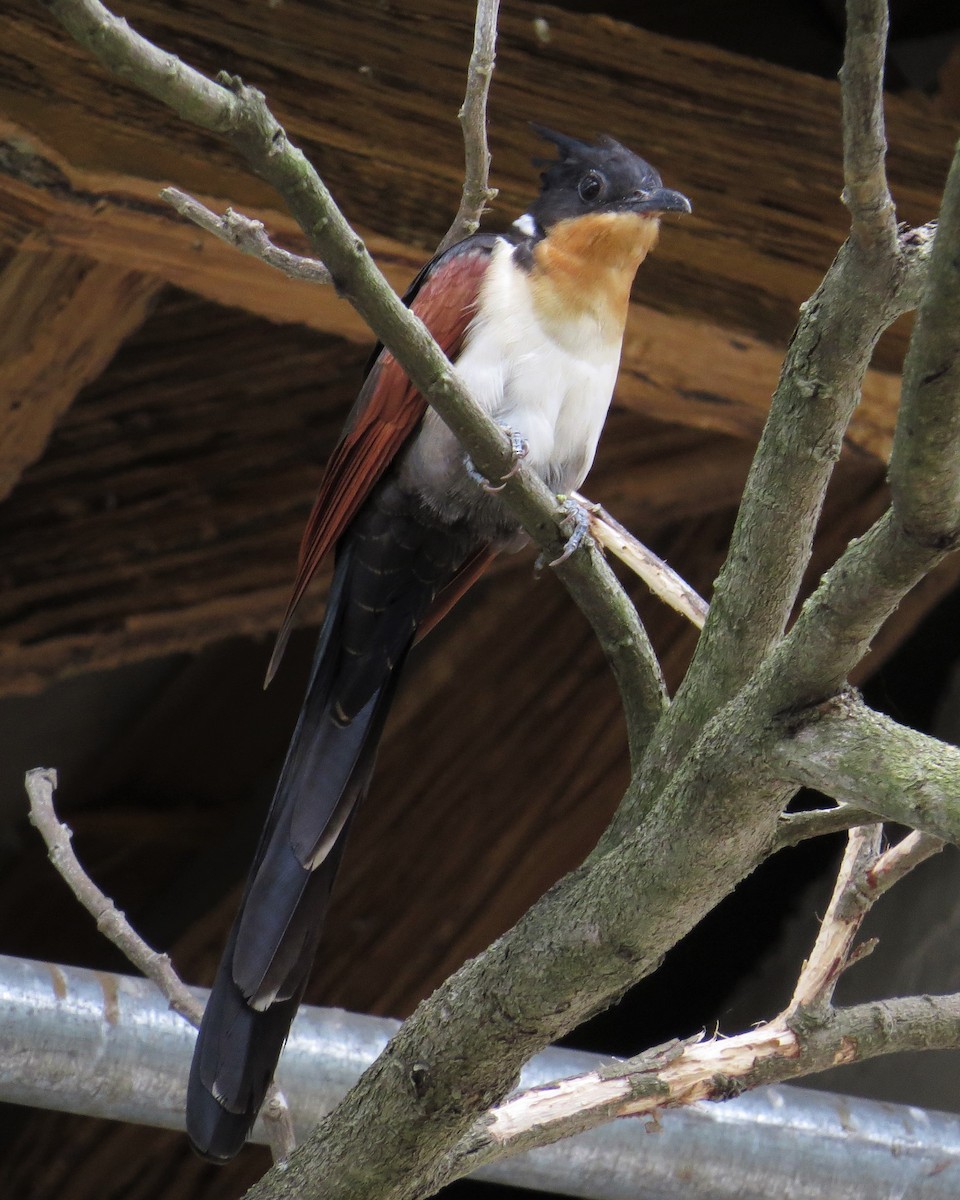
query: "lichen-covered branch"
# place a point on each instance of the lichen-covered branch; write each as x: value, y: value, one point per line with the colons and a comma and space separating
x: 925, y: 463
x: 870, y: 761
x: 922, y: 525
x: 796, y: 827
x: 862, y: 293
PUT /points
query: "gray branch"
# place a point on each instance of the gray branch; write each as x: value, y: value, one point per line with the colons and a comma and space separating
x: 869, y: 761
x: 796, y: 827
x: 865, y: 191
x: 925, y: 463
x: 477, y: 193
x: 872, y: 281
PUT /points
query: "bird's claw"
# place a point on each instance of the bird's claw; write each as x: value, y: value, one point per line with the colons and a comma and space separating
x: 519, y: 449
x: 573, y: 511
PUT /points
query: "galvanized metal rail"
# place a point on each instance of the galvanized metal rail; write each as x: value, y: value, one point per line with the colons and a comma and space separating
x: 107, y: 1045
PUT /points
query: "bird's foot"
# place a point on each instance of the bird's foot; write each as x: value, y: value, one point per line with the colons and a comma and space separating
x: 574, y: 512
x: 519, y: 449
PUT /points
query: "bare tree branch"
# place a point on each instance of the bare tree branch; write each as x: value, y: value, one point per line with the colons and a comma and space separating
x: 111, y: 922
x: 477, y: 193
x: 925, y: 462
x: 808, y: 1036
x: 819, y: 388
x: 870, y: 761
x: 841, y: 922
x: 865, y: 191
x: 660, y: 578
x: 247, y: 236
x: 682, y: 1073
x: 796, y: 827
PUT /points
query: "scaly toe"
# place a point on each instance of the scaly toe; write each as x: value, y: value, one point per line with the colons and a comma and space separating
x: 581, y: 527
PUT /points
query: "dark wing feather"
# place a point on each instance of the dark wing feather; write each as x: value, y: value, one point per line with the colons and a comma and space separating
x: 387, y: 411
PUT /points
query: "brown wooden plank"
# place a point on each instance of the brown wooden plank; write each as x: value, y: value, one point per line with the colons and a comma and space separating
x: 62, y: 318
x: 755, y: 145
x: 167, y: 512
x: 685, y: 370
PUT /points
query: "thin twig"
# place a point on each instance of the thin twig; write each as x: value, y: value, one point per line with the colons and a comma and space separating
x: 477, y: 192
x: 796, y: 827
x: 247, y: 235
x: 865, y: 190
x: 41, y: 784
x: 831, y: 953
x: 900, y: 860
x: 660, y: 578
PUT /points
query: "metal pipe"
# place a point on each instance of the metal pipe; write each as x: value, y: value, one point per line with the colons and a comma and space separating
x: 107, y: 1045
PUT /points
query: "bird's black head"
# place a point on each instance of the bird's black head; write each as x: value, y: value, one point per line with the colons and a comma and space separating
x: 604, y: 178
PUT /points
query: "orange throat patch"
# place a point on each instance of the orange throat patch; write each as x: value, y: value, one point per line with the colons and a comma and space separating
x: 585, y: 267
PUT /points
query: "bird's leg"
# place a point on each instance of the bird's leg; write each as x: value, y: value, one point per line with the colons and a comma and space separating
x: 575, y: 512
x: 519, y: 449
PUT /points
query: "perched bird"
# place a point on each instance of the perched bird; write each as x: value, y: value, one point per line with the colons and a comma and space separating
x: 533, y: 320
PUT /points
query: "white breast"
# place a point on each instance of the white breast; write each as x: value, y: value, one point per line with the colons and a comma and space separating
x: 551, y: 380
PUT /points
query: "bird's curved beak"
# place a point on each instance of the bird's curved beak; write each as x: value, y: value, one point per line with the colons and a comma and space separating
x: 660, y: 200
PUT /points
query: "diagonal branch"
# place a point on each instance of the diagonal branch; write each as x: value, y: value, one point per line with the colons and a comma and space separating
x: 836, y: 625
x: 832, y: 952
x: 686, y: 1072
x: 808, y: 1036
x: 240, y: 114
x: 925, y: 463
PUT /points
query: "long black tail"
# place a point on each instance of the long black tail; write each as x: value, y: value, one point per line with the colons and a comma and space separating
x: 390, y: 566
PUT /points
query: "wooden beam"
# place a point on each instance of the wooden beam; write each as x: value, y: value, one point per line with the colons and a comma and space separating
x: 756, y: 146
x: 62, y: 318
x: 167, y: 511
x: 682, y: 369
x: 173, y: 495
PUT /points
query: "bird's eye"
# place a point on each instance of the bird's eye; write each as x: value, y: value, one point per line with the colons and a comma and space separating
x: 591, y: 185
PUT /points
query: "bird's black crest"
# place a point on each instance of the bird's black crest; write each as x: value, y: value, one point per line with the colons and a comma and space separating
x: 603, y: 176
